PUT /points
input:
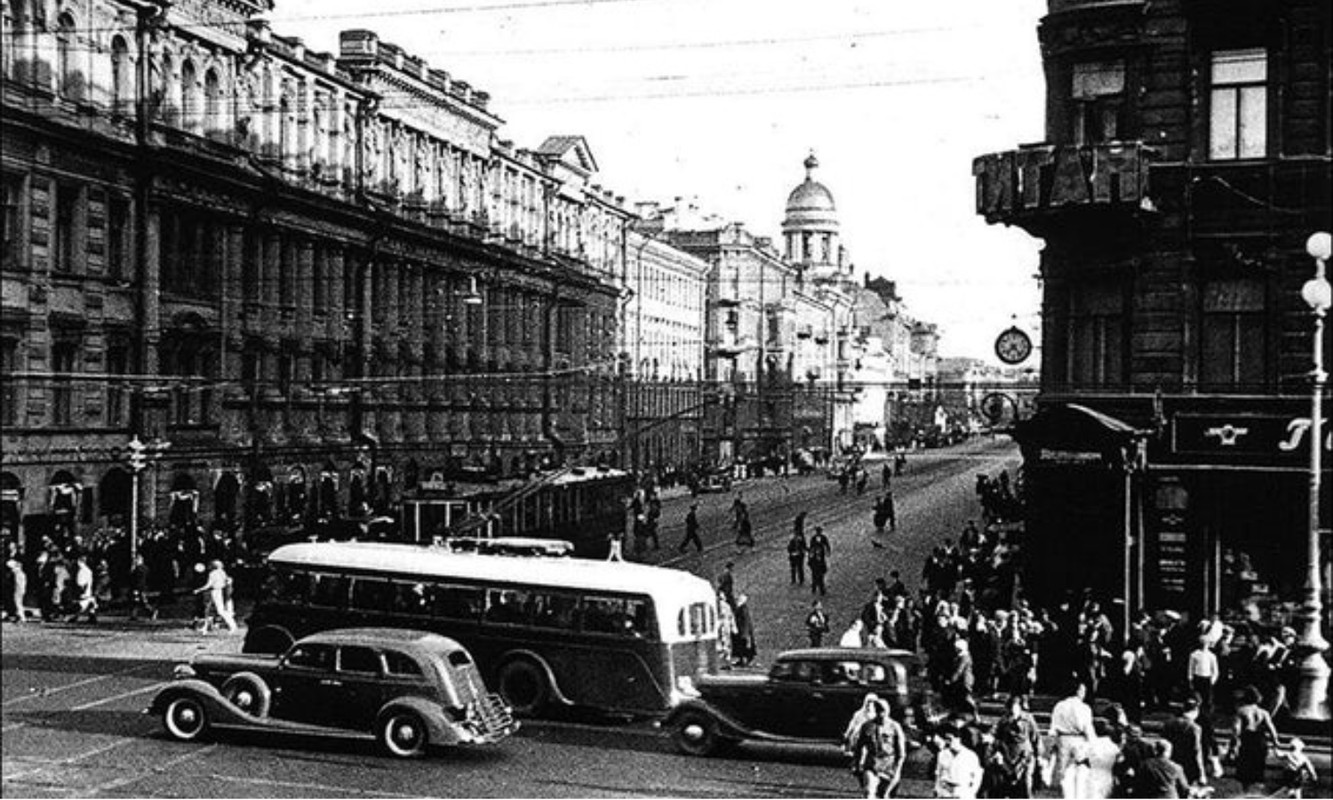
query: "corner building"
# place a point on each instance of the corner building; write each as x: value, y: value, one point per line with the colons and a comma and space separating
x: 1186, y: 161
x: 321, y: 278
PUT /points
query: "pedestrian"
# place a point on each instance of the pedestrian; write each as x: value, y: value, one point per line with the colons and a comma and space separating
x: 692, y: 530
x: 744, y: 530
x: 1297, y: 771
x: 139, y: 589
x: 959, y: 683
x: 1071, y: 734
x: 880, y: 752
x: 890, y: 509
x: 1186, y: 738
x: 886, y: 473
x: 817, y: 555
x: 1134, y: 751
x: 958, y: 770
x: 84, y: 593
x: 862, y: 478
x: 854, y: 636
x: 742, y: 642
x: 1017, y: 742
x: 726, y: 583
x: 16, y: 589
x: 215, y: 590
x: 1251, y: 732
x: 796, y: 548
x: 1203, y: 672
x: 864, y: 714
x: 1161, y: 776
x: 616, y: 545
x: 816, y: 624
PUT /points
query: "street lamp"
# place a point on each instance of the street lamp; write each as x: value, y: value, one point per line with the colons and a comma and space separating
x: 1312, y: 692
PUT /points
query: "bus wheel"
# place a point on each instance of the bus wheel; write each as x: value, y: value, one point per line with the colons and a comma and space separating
x: 523, y: 686
x: 248, y: 692
x: 695, y: 733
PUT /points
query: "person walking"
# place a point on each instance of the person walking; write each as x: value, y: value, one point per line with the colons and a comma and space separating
x: 615, y: 545
x: 1251, y: 732
x: 692, y: 530
x: 85, y: 597
x: 796, y: 548
x: 817, y: 555
x: 726, y: 629
x: 742, y: 644
x: 726, y: 583
x: 960, y: 680
x: 879, y: 752
x: 1071, y: 734
x: 1017, y: 742
x: 1161, y: 776
x: 890, y: 509
x: 1186, y: 738
x: 854, y: 636
x: 17, y: 588
x: 215, y: 590
x: 958, y: 770
x: 816, y: 624
x: 1203, y: 672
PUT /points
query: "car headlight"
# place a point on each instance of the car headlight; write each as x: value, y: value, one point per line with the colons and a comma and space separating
x: 685, y: 686
x: 182, y: 671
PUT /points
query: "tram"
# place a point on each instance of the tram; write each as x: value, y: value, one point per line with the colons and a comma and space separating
x: 581, y: 505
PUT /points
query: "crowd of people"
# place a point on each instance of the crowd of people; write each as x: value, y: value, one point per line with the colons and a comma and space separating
x: 71, y: 576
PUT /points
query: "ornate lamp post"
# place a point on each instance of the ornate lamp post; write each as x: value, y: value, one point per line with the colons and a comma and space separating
x: 1312, y: 692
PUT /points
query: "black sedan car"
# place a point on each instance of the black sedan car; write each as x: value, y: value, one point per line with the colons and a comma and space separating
x: 807, y: 696
x: 408, y: 689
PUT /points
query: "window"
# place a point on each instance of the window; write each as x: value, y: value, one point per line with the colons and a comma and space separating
x: 1232, y: 335
x: 328, y: 590
x: 9, y: 396
x: 617, y: 615
x: 797, y: 671
x: 213, y: 117
x: 117, y: 363
x: 400, y: 664
x: 507, y: 606
x: 372, y: 595
x: 1238, y: 105
x: 456, y: 602
x: 64, y: 358
x: 189, y: 97
x: 117, y: 237
x: 312, y: 656
x: 11, y: 221
x: 459, y: 658
x: 358, y: 659
x: 1096, y: 351
x: 70, y: 79
x: 409, y: 598
x: 1097, y: 90
x: 282, y: 586
x: 122, y: 76
x: 68, y: 209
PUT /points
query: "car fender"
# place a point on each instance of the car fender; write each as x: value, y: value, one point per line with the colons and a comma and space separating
x: 728, y: 727
x: 220, y: 711
x: 442, y: 730
x: 556, y: 694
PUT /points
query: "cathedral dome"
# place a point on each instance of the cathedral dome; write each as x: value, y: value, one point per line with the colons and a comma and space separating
x: 810, y: 205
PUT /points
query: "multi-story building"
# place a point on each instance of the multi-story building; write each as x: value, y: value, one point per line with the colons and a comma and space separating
x: 912, y: 347
x: 661, y: 346
x: 320, y: 278
x: 1186, y: 161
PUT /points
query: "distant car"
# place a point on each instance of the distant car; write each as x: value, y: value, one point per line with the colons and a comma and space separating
x: 408, y: 689
x: 715, y: 482
x: 807, y: 696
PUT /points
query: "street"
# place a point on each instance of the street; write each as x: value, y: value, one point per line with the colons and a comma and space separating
x: 72, y: 696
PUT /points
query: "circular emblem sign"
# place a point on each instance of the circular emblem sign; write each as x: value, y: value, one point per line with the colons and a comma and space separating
x: 992, y: 406
x: 1013, y: 346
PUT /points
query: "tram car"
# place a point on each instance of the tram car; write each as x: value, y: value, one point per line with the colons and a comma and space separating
x: 581, y: 505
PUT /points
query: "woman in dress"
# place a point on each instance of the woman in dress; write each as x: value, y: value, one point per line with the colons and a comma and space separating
x: 1251, y: 733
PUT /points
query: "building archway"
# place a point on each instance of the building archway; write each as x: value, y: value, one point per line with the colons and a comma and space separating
x: 63, y: 502
x: 115, y: 494
x: 11, y: 507
x: 183, y: 510
x: 225, y: 492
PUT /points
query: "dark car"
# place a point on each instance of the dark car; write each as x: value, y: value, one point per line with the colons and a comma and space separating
x: 807, y: 695
x: 408, y: 689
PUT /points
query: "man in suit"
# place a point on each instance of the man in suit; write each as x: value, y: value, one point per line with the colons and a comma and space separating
x: 1186, y: 738
x: 1160, y: 776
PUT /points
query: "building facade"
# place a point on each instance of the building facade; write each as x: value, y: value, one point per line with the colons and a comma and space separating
x: 1186, y: 161
x: 320, y: 278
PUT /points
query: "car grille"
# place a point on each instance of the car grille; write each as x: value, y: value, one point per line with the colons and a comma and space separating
x: 494, y: 715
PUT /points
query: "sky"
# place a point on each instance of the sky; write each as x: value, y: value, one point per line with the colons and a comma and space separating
x: 722, y: 100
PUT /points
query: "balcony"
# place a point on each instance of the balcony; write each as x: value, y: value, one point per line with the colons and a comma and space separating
x: 1038, y: 186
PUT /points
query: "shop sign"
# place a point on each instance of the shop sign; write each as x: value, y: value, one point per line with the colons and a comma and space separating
x: 1170, y: 551
x: 1044, y: 176
x: 1264, y: 438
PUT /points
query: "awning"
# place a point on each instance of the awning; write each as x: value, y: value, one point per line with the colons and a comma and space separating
x: 1076, y: 428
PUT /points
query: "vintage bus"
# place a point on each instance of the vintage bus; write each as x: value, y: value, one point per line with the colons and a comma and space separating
x: 565, y: 631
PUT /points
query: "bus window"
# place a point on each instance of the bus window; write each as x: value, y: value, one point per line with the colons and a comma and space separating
x: 328, y: 590
x: 409, y: 598
x: 621, y: 616
x: 371, y: 595
x: 507, y: 606
x: 551, y: 610
x: 456, y: 602
x: 698, y: 617
x: 285, y: 586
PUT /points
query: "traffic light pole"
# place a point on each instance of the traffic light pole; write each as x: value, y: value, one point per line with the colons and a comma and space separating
x: 137, y: 462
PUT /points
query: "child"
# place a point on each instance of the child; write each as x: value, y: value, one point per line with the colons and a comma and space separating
x: 1297, y: 771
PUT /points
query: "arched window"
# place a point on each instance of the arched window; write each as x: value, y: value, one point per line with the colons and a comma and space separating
x: 315, y: 156
x: 189, y: 96
x: 70, y: 79
x: 122, y: 79
x: 285, y: 129
x: 15, y: 39
x: 215, y: 122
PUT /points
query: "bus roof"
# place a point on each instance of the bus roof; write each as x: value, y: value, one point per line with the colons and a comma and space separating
x: 565, y: 573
